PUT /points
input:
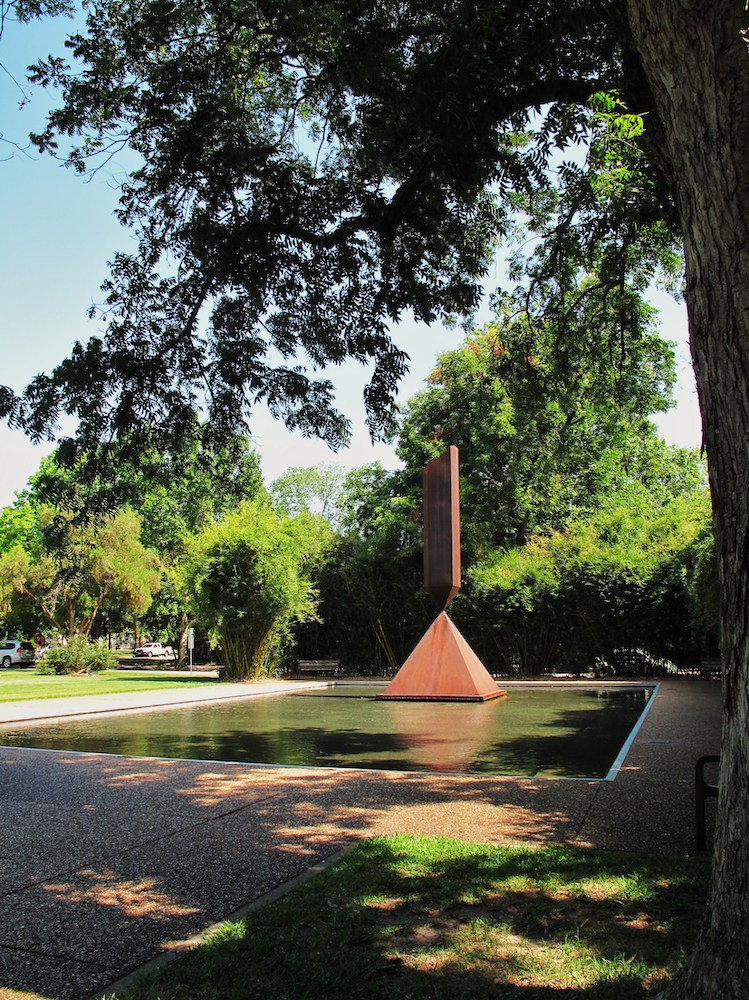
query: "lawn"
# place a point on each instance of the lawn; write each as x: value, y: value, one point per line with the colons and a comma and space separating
x: 25, y: 685
x: 406, y: 918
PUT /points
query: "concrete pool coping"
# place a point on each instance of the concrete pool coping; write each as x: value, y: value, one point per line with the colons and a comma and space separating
x: 107, y: 862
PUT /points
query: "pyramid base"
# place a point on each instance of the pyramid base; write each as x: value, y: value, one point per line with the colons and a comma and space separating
x: 443, y: 667
x: 499, y: 693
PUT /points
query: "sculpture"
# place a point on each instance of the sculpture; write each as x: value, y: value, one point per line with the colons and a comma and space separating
x: 443, y: 667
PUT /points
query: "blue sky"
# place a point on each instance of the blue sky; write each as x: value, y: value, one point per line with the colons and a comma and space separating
x: 57, y: 232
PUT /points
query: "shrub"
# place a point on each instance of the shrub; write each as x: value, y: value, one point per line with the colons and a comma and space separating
x: 638, y: 577
x: 250, y: 580
x: 78, y: 656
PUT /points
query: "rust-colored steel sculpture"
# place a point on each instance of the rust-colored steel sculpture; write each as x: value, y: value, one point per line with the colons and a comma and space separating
x: 441, y: 513
x: 443, y: 667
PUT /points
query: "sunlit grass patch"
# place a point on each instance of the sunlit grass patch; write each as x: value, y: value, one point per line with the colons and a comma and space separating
x: 406, y: 918
x: 25, y: 685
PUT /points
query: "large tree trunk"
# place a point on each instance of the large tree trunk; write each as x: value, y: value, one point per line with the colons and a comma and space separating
x: 697, y: 63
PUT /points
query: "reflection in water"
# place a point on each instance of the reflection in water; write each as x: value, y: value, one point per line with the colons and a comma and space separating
x: 440, y: 740
x: 543, y: 731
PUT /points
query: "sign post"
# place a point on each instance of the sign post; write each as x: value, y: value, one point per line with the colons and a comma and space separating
x: 191, y: 642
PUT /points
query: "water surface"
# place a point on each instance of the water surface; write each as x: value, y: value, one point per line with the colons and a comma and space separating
x: 540, y: 731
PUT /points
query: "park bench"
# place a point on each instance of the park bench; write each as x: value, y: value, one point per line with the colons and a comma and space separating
x: 711, y: 666
x: 319, y: 667
x: 703, y: 790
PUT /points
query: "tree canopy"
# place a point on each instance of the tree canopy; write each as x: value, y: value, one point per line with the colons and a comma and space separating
x: 311, y: 490
x: 72, y: 573
x: 305, y: 175
x: 549, y: 416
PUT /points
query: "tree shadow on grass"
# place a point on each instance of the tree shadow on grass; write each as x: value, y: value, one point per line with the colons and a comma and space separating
x: 406, y: 919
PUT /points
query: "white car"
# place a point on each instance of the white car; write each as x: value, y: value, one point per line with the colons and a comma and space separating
x: 15, y: 651
x: 154, y: 650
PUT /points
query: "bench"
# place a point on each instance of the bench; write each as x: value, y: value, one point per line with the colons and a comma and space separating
x: 319, y: 667
x: 703, y: 790
x: 711, y: 666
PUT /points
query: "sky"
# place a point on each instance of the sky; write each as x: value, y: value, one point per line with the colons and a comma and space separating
x: 57, y: 232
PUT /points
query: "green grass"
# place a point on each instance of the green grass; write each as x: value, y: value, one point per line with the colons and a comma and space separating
x: 25, y: 685
x: 406, y: 918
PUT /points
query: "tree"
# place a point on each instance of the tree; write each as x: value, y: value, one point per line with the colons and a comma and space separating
x: 179, y: 495
x: 546, y: 420
x: 175, y: 494
x: 316, y: 170
x: 250, y: 579
x: 704, y: 110
x: 73, y: 572
x: 373, y: 608
x: 313, y: 490
x: 615, y: 589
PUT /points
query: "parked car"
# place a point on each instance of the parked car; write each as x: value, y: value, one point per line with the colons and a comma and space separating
x: 154, y: 650
x: 15, y: 652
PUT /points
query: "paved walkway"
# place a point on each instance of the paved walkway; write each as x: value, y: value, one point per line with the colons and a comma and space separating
x: 106, y: 862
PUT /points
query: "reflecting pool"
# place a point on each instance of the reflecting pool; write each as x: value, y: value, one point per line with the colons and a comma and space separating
x: 562, y: 732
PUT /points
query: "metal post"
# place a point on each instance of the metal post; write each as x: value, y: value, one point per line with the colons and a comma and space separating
x: 702, y: 791
x: 190, y: 643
